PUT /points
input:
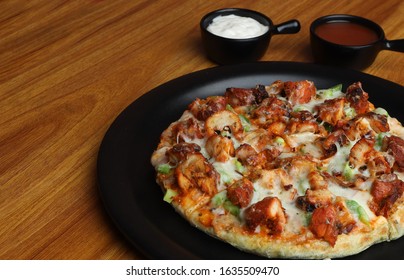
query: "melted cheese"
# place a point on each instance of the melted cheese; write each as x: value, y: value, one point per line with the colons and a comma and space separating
x: 302, y: 184
x: 312, y: 149
x: 395, y: 127
x: 310, y: 106
x: 400, y: 175
x: 228, y: 173
x: 338, y: 161
x: 200, y: 142
x: 295, y: 217
x: 323, y: 94
x: 362, y: 197
x: 319, y: 99
x: 295, y: 140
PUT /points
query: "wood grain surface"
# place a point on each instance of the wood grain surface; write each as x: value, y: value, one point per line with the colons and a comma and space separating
x: 68, y: 68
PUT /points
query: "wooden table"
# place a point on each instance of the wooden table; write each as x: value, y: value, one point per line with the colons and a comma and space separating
x: 68, y: 68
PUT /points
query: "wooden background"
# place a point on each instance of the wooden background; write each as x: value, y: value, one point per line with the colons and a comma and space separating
x: 68, y: 68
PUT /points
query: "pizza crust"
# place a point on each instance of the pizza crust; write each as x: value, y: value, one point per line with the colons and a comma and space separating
x: 304, y: 246
x: 306, y: 249
x: 396, y: 220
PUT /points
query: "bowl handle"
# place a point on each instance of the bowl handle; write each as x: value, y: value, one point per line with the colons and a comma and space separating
x: 288, y: 27
x: 394, y: 45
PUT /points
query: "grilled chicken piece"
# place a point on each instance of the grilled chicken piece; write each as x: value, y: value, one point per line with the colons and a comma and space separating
x: 346, y: 222
x: 377, y: 122
x: 258, y: 139
x: 299, y: 92
x: 324, y: 223
x: 365, y: 123
x: 362, y: 151
x: 302, y: 121
x: 271, y: 110
x: 204, y: 108
x: 317, y: 181
x: 244, y: 96
x: 187, y: 129
x: 275, y: 88
x: 268, y: 213
x: 379, y: 165
x: 395, y: 146
x: 385, y: 191
x: 332, y: 110
x: 314, y: 199
x: 196, y: 172
x: 219, y: 147
x: 247, y: 155
x: 358, y: 98
x: 241, y: 192
x: 239, y: 96
x: 180, y: 151
x: 224, y: 122
x: 364, y: 155
x: 330, y: 143
x: 277, y: 128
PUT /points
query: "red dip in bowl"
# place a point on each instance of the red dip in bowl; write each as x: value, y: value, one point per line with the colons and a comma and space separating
x: 347, y: 33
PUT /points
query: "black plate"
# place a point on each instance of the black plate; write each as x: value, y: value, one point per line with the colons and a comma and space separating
x: 126, y: 177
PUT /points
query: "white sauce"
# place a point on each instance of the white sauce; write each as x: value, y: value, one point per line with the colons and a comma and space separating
x: 236, y: 27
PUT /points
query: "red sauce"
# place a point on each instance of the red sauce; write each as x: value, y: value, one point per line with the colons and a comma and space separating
x: 346, y: 33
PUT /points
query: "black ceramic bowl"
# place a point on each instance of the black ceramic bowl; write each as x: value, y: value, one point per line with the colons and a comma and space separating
x: 357, y: 56
x: 223, y: 50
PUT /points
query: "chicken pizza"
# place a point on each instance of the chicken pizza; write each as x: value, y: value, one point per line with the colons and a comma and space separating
x: 287, y: 170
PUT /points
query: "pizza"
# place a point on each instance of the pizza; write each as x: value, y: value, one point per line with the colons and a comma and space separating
x: 286, y: 170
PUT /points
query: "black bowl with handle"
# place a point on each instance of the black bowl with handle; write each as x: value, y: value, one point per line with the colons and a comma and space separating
x: 222, y: 50
x: 356, y: 56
